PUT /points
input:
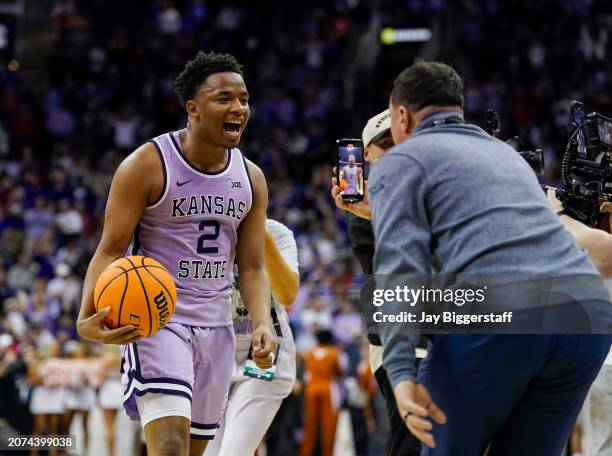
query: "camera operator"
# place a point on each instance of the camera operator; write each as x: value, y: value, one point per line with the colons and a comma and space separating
x: 377, y: 139
x: 597, y: 412
x: 452, y: 192
x: 596, y: 242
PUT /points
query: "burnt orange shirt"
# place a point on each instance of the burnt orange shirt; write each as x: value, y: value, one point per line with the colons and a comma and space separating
x: 323, y: 364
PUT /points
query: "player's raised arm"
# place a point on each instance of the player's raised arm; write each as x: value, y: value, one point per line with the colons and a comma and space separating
x: 134, y: 185
x: 252, y: 281
x: 284, y: 281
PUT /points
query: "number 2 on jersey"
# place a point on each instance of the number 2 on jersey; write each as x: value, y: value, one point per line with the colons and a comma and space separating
x: 208, y: 236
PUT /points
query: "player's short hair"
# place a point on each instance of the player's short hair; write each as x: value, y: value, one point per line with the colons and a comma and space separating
x: 427, y: 84
x: 196, y: 72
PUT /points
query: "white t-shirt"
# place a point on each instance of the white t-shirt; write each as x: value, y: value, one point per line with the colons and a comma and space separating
x: 243, y: 326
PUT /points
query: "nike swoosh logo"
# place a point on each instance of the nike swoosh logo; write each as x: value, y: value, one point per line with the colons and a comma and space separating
x: 180, y: 184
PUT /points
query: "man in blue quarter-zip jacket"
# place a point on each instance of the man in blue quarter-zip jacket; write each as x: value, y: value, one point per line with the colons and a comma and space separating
x: 450, y: 192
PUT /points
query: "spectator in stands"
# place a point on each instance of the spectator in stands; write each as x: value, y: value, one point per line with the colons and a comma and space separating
x: 21, y: 274
x: 9, y: 368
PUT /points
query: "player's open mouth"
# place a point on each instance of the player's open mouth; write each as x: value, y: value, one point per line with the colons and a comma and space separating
x: 232, y: 129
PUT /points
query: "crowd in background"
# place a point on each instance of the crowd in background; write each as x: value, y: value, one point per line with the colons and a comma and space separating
x: 107, y: 86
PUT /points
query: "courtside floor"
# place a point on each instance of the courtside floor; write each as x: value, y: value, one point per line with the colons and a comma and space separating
x: 126, y: 431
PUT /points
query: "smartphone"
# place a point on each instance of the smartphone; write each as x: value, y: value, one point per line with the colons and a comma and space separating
x: 351, y: 166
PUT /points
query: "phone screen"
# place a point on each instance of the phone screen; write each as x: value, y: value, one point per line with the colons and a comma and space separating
x: 351, y: 169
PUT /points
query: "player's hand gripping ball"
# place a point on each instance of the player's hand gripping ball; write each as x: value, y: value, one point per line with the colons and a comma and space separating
x: 139, y: 291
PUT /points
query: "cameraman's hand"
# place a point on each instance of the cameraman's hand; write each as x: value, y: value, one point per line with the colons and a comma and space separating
x: 553, y: 200
x: 605, y: 222
x: 359, y: 208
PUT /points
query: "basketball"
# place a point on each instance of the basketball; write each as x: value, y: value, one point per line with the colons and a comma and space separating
x: 139, y: 291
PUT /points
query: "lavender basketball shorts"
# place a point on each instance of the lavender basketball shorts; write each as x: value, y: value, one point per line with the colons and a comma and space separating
x: 188, y: 361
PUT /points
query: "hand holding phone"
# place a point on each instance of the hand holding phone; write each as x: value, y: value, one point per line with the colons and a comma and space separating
x: 351, y: 178
x: 359, y: 208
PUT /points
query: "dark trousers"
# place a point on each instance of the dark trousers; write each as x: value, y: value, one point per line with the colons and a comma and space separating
x: 281, y: 436
x: 521, y: 393
x: 402, y: 443
x: 360, y: 431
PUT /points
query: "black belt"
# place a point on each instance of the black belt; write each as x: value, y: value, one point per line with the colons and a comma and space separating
x: 276, y: 322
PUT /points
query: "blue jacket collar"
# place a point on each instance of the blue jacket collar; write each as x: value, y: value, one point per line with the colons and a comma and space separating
x: 429, y: 120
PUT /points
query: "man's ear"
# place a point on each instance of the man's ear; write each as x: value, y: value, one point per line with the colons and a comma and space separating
x: 405, y: 119
x: 366, y: 153
x: 192, y: 108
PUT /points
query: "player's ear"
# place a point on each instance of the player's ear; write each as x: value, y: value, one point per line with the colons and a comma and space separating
x: 192, y: 108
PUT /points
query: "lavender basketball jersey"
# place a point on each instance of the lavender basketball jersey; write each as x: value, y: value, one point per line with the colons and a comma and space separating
x: 192, y: 231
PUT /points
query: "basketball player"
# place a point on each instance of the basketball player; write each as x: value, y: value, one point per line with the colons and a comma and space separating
x: 194, y: 203
x: 253, y: 403
x: 351, y: 173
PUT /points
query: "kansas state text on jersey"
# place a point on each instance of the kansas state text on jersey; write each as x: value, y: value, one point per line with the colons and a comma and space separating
x: 192, y: 231
x: 207, y: 204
